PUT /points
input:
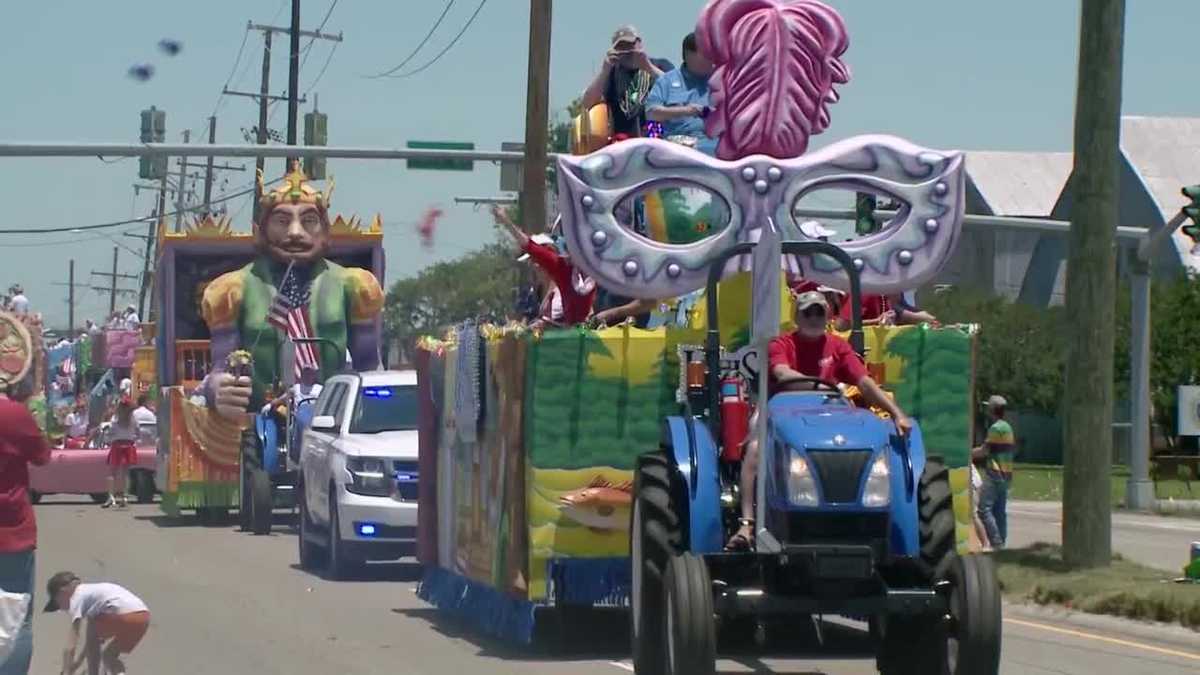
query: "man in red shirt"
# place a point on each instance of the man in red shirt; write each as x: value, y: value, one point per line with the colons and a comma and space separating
x: 576, y: 291
x: 809, y: 351
x: 21, y: 444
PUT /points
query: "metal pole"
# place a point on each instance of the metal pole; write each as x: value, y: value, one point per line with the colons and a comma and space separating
x: 537, y: 117
x: 1139, y: 491
x: 182, y: 185
x: 208, y: 170
x: 112, y: 298
x: 147, y: 269
x: 262, y: 116
x: 223, y: 150
x: 293, y: 81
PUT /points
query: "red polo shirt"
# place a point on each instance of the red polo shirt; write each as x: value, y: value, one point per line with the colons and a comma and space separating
x: 828, y: 357
x: 577, y: 291
x: 21, y: 444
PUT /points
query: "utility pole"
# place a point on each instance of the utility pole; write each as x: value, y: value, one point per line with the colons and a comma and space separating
x: 179, y: 194
x: 208, y: 173
x: 1091, y: 279
x: 112, y: 298
x: 537, y: 117
x: 264, y: 97
x: 71, y: 299
x: 113, y: 289
x: 293, y: 80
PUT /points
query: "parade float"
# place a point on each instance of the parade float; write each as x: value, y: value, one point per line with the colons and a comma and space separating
x: 529, y: 441
x: 214, y: 290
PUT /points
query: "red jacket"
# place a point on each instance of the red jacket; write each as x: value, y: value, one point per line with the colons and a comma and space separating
x: 21, y: 444
x: 578, y: 292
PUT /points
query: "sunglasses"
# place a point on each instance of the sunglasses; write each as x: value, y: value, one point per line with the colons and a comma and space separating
x: 812, y: 312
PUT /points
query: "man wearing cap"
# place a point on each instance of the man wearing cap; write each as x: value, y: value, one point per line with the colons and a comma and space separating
x: 624, y: 81
x: 809, y: 351
x: 21, y: 444
x: 576, y: 292
x: 996, y: 454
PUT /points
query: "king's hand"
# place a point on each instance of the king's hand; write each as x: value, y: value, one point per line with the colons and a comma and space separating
x: 231, y: 395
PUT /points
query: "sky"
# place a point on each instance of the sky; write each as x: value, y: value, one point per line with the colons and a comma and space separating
x: 951, y: 74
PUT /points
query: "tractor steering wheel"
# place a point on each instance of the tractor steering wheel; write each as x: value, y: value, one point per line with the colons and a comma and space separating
x: 804, y: 383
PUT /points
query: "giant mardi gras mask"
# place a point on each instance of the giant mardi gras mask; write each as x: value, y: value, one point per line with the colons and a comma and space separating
x: 777, y: 62
x: 293, y: 219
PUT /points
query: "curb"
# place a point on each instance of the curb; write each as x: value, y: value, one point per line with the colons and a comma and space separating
x: 1149, y: 631
x: 1182, y: 507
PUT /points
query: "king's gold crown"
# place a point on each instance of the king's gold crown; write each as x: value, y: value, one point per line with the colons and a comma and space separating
x: 294, y: 190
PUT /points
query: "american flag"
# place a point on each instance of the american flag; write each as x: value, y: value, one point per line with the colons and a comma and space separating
x: 289, y: 313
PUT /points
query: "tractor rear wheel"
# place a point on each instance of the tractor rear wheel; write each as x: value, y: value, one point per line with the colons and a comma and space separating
x: 262, y: 502
x: 654, y: 540
x: 690, y: 632
x: 966, y: 639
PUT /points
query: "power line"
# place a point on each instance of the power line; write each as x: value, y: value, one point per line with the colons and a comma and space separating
x: 131, y: 221
x: 232, y: 71
x: 322, y: 72
x: 448, y: 47
x: 445, y: 11
x: 308, y: 47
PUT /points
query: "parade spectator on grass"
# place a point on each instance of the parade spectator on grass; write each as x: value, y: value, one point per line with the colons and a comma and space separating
x: 996, y: 455
x: 21, y: 444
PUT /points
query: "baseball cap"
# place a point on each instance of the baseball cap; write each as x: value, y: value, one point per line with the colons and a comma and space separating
x: 626, y: 33
x: 814, y: 230
x: 57, y: 583
x: 809, y: 298
x: 543, y: 239
x: 996, y: 401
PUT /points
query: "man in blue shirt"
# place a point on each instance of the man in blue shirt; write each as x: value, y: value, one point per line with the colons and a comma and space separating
x: 679, y: 99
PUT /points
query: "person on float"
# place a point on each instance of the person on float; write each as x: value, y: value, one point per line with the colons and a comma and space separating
x: 576, y: 291
x: 343, y: 303
x: 623, y: 83
x: 809, y: 351
x: 680, y: 99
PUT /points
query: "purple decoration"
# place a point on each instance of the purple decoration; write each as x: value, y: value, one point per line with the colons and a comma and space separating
x: 777, y: 62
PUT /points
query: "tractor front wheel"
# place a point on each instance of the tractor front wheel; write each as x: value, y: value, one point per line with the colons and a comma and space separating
x: 654, y: 539
x: 690, y: 632
x: 262, y: 502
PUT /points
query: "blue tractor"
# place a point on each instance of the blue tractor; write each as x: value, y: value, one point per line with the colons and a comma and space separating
x: 852, y: 520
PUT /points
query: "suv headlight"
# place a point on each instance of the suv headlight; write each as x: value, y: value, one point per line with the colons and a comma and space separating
x: 368, y: 476
x: 878, y: 491
x: 802, y: 486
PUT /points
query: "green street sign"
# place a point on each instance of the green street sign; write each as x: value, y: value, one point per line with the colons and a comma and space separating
x: 441, y: 164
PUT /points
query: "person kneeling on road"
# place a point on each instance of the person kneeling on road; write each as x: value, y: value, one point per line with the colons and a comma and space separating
x: 808, y: 352
x: 114, y: 615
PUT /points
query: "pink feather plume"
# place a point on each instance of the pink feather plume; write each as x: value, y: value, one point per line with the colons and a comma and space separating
x: 776, y: 65
x: 427, y: 224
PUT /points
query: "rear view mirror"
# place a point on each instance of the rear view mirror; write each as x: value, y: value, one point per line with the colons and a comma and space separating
x: 324, y: 423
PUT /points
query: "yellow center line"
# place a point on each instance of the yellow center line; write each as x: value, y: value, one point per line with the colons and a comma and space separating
x: 1103, y: 638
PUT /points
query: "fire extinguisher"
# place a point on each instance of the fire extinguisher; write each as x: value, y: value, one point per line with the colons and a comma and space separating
x: 735, y: 419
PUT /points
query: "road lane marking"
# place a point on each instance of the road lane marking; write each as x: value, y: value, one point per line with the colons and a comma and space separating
x: 1104, y: 638
x: 622, y: 665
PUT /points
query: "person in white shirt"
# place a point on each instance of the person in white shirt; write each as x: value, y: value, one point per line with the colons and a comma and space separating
x: 131, y: 320
x: 18, y: 302
x: 303, y: 392
x: 142, y: 414
x: 114, y: 615
x: 122, y: 454
x: 77, y: 422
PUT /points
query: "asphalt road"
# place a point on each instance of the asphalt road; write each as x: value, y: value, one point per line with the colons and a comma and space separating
x: 1156, y: 541
x: 224, y: 602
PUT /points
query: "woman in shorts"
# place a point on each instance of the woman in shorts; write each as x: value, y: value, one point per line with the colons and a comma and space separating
x: 122, y: 453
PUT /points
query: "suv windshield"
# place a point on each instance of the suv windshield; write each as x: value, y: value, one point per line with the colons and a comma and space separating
x: 389, y: 408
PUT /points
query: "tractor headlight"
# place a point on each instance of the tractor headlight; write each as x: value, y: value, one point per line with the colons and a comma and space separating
x: 878, y: 491
x: 368, y: 476
x: 802, y: 487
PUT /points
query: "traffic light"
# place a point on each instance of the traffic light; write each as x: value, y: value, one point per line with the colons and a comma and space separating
x: 1192, y: 211
x: 154, y: 130
x: 316, y: 125
x: 864, y: 213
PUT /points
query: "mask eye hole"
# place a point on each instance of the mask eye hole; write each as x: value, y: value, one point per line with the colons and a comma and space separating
x: 840, y: 215
x: 673, y: 212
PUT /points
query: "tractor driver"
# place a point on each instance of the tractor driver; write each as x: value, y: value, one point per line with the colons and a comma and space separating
x: 808, y: 352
